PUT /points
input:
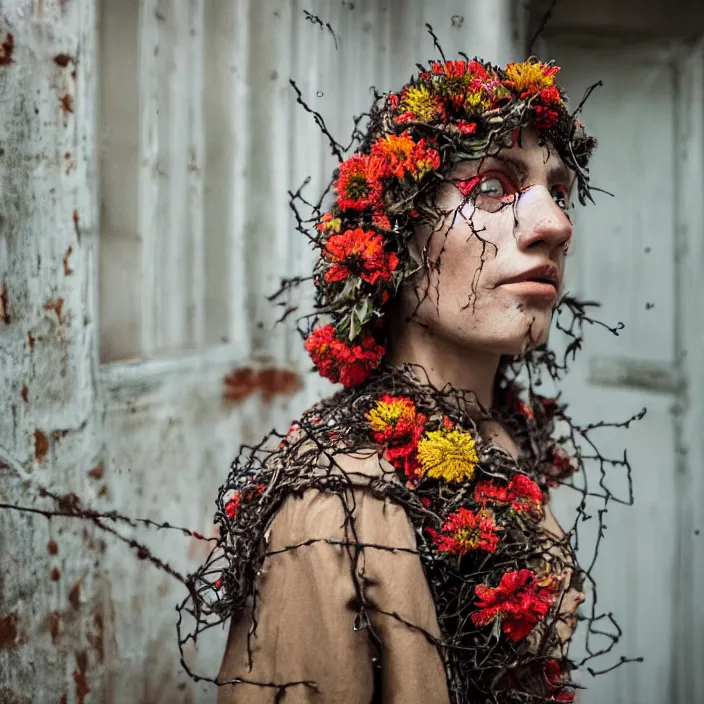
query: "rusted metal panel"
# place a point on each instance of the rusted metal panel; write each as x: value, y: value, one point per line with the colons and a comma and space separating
x: 51, y: 598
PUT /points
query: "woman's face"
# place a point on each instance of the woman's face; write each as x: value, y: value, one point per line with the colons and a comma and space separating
x: 495, y: 262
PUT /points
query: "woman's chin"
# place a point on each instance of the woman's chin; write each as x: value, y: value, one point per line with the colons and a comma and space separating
x: 528, y: 337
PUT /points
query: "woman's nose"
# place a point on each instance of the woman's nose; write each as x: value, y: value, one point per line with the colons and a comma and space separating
x: 541, y: 221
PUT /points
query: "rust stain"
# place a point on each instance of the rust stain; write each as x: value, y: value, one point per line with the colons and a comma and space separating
x: 57, y: 306
x: 63, y: 60
x: 63, y: 699
x: 75, y: 224
x: 55, y: 574
x: 30, y: 340
x: 103, y: 491
x: 54, y: 624
x: 67, y: 269
x: 243, y: 382
x: 4, y: 312
x: 79, y: 676
x: 74, y: 596
x: 52, y: 548
x: 6, y: 49
x: 96, y: 639
x: 41, y: 445
x: 9, y: 636
x: 58, y: 434
x: 66, y: 102
x: 69, y: 162
x: 97, y: 471
x: 25, y: 393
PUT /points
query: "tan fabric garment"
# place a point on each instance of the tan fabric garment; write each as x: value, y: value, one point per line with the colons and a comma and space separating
x: 307, y: 606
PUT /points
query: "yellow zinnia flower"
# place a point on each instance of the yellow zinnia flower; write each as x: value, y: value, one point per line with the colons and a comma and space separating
x: 529, y: 75
x: 477, y: 101
x: 421, y: 102
x: 448, y: 454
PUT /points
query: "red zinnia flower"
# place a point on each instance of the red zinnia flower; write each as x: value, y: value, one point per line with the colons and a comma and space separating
x: 454, y: 69
x: 550, y: 96
x: 381, y: 220
x: 466, y: 127
x: 358, y: 252
x: 519, y: 601
x: 363, y: 358
x: 557, y: 689
x: 522, y: 493
x: 359, y: 184
x: 560, y: 466
x: 464, y: 531
x: 545, y: 118
x: 232, y: 506
x: 336, y: 360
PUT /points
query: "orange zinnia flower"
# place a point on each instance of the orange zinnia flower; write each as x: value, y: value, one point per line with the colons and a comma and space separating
x: 358, y: 252
x: 405, y: 156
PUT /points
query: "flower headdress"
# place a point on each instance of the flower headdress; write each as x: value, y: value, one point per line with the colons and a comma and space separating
x: 454, y: 110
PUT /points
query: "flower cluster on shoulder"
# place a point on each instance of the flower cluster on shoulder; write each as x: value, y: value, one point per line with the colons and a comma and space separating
x: 425, y: 448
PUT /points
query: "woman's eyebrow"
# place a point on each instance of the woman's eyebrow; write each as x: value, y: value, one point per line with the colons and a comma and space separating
x: 557, y: 171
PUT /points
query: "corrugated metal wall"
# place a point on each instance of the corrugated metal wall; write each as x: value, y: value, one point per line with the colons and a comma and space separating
x: 180, y: 129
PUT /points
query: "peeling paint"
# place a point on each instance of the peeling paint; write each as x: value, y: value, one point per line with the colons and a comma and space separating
x: 63, y: 60
x: 41, y: 445
x: 4, y: 311
x: 97, y: 471
x: 9, y: 635
x: 57, y: 305
x: 6, y: 49
x: 97, y: 637
x: 79, y: 676
x: 243, y: 382
x: 66, y: 102
x: 74, y: 596
x: 53, y: 621
x: 67, y: 269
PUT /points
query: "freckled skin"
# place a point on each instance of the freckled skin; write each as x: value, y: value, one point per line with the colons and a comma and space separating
x: 479, y: 244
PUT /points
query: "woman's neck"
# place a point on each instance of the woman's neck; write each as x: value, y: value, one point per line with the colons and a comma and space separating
x: 444, y: 361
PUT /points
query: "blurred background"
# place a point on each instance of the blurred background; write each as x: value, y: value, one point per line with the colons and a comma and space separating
x: 147, y: 148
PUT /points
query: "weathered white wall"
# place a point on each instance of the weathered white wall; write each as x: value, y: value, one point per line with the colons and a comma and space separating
x: 184, y: 111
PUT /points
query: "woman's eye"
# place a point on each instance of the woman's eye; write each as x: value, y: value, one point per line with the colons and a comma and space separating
x: 559, y: 195
x: 493, y: 187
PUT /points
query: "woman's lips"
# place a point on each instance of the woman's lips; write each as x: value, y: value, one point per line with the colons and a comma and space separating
x: 532, y: 289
